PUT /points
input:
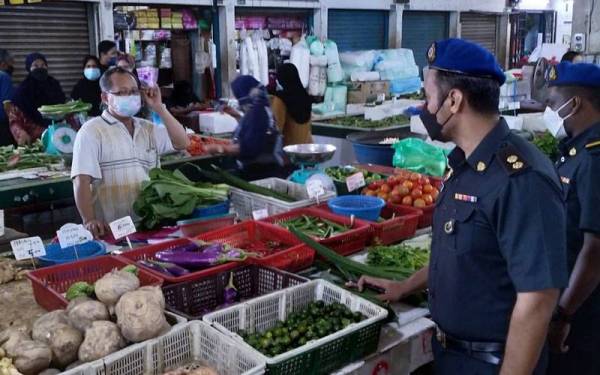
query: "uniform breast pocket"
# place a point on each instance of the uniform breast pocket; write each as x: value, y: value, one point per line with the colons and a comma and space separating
x: 459, y: 229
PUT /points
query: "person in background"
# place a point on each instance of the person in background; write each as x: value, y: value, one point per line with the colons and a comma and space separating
x: 498, y: 258
x: 183, y: 100
x: 127, y: 62
x: 114, y: 152
x: 107, y: 53
x: 6, y: 93
x: 87, y: 88
x: 574, y: 103
x: 38, y: 89
x: 572, y: 57
x: 257, y: 143
x: 292, y: 106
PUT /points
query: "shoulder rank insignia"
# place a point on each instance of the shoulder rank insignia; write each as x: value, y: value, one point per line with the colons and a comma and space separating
x: 593, y: 145
x: 511, y: 160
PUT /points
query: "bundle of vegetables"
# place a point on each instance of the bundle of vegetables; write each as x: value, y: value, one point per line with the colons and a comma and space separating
x: 192, y: 369
x: 76, y: 106
x: 170, y: 196
x: 313, y: 322
x: 342, y: 173
x: 398, y: 256
x: 314, y: 226
x: 352, y: 269
x: 179, y: 260
x: 361, y: 122
x: 222, y: 176
x: 89, y: 329
x: 548, y: 144
x: 197, y: 143
x: 23, y: 157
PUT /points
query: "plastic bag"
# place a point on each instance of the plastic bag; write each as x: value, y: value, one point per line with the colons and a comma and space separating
x: 359, y: 61
x: 316, y: 48
x: 300, y: 57
x: 418, y: 156
x: 334, y: 68
x: 404, y: 86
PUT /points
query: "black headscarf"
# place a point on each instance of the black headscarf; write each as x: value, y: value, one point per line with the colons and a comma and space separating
x: 89, y: 91
x: 32, y: 93
x: 183, y: 95
x: 295, y: 97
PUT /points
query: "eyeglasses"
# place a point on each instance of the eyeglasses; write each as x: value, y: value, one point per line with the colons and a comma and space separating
x: 125, y: 93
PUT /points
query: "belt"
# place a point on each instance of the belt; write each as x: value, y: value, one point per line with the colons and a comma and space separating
x: 489, y: 352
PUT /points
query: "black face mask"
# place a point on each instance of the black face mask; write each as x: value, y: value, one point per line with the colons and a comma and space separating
x: 10, y: 70
x: 39, y: 74
x: 433, y: 127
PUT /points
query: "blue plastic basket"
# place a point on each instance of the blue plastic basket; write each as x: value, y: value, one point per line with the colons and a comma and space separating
x: 361, y: 206
x: 56, y: 255
x: 380, y: 155
x: 214, y: 210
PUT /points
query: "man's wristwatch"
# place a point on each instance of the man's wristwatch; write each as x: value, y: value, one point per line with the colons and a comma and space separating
x: 561, y: 316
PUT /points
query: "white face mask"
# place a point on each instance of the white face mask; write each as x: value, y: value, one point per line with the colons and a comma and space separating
x: 554, y: 123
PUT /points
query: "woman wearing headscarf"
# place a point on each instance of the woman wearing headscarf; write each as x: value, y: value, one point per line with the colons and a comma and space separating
x: 87, y: 88
x: 36, y: 90
x: 292, y: 107
x: 257, y: 143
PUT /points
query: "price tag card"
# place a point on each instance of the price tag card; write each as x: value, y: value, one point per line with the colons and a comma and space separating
x: 356, y: 181
x: 73, y: 234
x: 122, y: 227
x: 1, y: 223
x: 314, y: 188
x: 260, y: 214
x: 30, y: 247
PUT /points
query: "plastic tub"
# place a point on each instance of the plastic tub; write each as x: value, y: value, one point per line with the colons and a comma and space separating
x: 56, y: 255
x: 382, y: 155
x: 363, y: 207
x: 214, y: 210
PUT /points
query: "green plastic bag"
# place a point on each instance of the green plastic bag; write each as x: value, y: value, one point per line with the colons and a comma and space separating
x: 416, y: 155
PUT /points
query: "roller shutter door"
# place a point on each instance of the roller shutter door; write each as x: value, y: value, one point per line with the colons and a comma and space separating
x: 480, y: 28
x: 59, y: 30
x: 354, y: 30
x: 420, y: 29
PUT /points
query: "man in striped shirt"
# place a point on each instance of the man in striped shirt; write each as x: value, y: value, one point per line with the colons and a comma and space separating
x: 114, y: 152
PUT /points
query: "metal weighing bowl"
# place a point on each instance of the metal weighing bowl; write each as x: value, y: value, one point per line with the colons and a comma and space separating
x: 309, y: 153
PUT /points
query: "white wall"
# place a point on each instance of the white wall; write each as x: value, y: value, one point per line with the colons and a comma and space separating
x: 564, y: 18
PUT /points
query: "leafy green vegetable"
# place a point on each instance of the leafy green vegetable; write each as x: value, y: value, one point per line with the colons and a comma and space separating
x: 341, y: 173
x: 170, y: 196
x: 360, y: 122
x: 398, y: 256
x: 23, y: 157
x: 548, y: 145
x: 131, y: 269
x: 75, y: 106
x: 79, y: 289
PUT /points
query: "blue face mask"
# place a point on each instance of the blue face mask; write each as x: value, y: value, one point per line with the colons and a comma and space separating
x: 91, y: 74
x: 112, y: 61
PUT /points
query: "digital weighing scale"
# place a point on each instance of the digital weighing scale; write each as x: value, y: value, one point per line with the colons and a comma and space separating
x: 308, y: 157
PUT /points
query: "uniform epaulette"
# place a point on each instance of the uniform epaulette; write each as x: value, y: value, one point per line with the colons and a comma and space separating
x: 593, y: 145
x: 511, y: 160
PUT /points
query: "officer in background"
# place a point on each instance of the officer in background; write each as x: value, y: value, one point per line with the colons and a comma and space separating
x: 498, y: 251
x: 574, y: 102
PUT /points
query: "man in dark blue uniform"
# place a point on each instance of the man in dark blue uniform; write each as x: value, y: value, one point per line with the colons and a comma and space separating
x: 574, y: 103
x: 498, y: 252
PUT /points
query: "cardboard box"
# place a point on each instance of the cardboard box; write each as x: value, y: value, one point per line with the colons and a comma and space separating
x: 362, y: 92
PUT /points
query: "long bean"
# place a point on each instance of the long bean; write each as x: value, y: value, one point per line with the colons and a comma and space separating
x: 314, y: 226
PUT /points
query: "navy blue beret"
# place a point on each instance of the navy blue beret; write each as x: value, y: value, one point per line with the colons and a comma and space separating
x: 463, y: 57
x: 569, y: 74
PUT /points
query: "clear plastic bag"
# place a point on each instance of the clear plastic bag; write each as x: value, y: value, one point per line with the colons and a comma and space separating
x: 416, y: 155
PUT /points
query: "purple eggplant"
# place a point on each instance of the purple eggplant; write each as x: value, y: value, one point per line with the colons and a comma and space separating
x: 209, y: 256
x: 231, y: 293
x: 154, y: 267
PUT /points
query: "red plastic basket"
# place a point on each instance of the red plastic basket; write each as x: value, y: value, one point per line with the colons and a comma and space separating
x: 253, y: 235
x: 148, y: 252
x: 192, y: 228
x: 50, y: 283
x: 345, y: 243
x: 401, y: 223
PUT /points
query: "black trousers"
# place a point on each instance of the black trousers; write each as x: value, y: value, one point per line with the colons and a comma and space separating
x: 583, y: 357
x: 448, y: 362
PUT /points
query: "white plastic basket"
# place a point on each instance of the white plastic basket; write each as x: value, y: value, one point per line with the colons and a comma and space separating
x: 244, y: 202
x: 194, y: 342
x: 90, y: 368
x: 262, y: 313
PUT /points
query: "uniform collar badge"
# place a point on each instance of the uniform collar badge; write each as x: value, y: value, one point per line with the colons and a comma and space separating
x: 481, y: 166
x: 573, y: 151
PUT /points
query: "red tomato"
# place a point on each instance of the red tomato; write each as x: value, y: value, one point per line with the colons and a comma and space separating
x: 408, y: 184
x: 391, y: 181
x: 371, y: 193
x: 373, y: 185
x: 427, y: 188
x: 383, y: 196
x: 416, y: 193
x: 419, y: 203
x: 415, y: 177
x: 396, y: 199
x: 403, y: 190
x: 434, y: 193
x: 407, y: 201
x: 428, y: 199
x: 385, y: 188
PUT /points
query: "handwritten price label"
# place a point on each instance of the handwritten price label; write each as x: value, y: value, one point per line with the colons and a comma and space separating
x: 30, y: 247
x: 122, y: 227
x: 72, y: 235
x: 356, y: 181
x: 260, y: 214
